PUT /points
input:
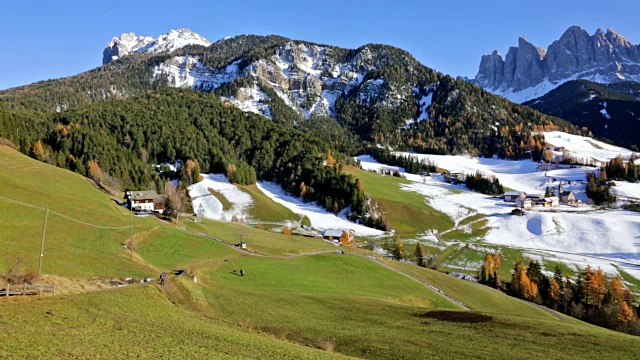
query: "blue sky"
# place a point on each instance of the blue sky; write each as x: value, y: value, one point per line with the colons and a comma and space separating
x: 50, y: 39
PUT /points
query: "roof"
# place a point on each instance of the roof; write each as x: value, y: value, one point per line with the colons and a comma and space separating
x: 143, y: 195
x: 567, y: 193
x: 513, y: 193
x: 551, y: 198
x: 333, y: 233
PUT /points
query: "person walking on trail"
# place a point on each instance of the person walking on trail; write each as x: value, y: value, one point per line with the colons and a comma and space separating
x: 241, y: 272
x: 163, y: 276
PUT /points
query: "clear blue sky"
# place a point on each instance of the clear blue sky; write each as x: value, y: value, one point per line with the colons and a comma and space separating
x: 49, y: 39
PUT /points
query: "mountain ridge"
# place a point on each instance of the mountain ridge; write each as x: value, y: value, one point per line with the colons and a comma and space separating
x: 379, y: 93
x: 528, y: 72
x: 130, y: 43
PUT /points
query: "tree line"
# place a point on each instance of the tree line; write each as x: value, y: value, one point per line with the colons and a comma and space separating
x: 592, y: 296
x: 123, y: 138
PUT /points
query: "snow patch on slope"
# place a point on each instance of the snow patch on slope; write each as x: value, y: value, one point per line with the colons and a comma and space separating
x: 585, y: 147
x: 320, y: 218
x: 189, y: 72
x: 213, y: 208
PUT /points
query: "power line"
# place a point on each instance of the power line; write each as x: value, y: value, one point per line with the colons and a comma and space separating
x: 64, y: 216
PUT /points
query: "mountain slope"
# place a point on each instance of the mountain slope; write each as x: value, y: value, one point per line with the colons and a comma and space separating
x: 377, y: 92
x: 609, y: 110
x: 130, y: 43
x: 528, y: 72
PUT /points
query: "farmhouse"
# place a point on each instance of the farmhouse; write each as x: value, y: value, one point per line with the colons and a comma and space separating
x: 523, y: 203
x: 336, y: 234
x: 147, y: 200
x: 568, y: 197
x: 533, y: 197
x: 511, y: 196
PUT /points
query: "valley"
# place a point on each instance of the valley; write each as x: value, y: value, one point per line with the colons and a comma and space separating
x: 265, y: 197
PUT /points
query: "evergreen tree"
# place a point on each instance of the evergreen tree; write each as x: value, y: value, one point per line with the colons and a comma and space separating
x: 419, y: 254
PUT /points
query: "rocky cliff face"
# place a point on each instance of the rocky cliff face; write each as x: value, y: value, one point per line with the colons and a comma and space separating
x: 130, y: 43
x: 528, y: 72
x: 309, y: 78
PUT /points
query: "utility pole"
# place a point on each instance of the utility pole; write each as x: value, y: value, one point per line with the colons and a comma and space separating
x: 44, y: 231
x: 131, y: 232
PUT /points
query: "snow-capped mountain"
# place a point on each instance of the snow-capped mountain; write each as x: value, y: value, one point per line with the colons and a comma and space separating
x: 528, y: 72
x: 130, y: 43
x: 308, y: 78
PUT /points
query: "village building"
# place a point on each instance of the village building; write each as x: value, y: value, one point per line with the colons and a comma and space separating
x: 336, y: 234
x: 511, y: 196
x: 534, y: 197
x: 568, y: 197
x: 147, y: 200
x: 523, y: 203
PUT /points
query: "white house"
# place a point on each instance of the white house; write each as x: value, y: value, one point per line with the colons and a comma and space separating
x: 554, y: 200
x: 511, y: 196
x: 147, y: 200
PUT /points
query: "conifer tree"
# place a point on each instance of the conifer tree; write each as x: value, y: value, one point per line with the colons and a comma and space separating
x: 398, y: 250
x: 420, y: 253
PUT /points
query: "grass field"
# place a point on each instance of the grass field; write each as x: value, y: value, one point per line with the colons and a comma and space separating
x: 387, y: 303
x: 266, y: 210
x: 284, y: 308
x: 71, y: 248
x: 138, y: 322
x: 408, y: 213
x: 477, y: 231
x: 226, y: 204
x: 261, y: 241
x: 170, y: 248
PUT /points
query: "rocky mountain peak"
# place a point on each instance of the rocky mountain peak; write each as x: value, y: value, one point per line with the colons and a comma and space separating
x: 528, y: 72
x: 130, y: 43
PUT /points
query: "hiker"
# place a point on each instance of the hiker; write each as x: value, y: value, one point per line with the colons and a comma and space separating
x: 163, y: 276
x: 241, y: 272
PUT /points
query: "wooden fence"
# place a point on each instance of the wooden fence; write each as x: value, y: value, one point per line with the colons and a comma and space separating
x: 26, y: 289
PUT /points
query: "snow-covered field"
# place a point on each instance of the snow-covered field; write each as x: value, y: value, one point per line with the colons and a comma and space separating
x: 626, y: 189
x: 578, y: 236
x: 584, y: 147
x: 213, y: 209
x: 320, y: 218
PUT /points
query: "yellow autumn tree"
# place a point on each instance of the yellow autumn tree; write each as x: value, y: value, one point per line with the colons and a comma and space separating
x: 497, y: 262
x: 303, y: 189
x: 344, y: 239
x: 529, y: 288
x: 286, y: 230
x: 616, y: 288
x: 625, y: 313
x: 489, y: 264
x: 594, y: 286
x: 95, y: 172
x: 554, y: 291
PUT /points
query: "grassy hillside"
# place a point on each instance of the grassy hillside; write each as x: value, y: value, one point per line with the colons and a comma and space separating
x: 266, y: 210
x: 72, y: 248
x: 139, y: 322
x: 258, y: 240
x: 408, y: 213
x: 285, y: 307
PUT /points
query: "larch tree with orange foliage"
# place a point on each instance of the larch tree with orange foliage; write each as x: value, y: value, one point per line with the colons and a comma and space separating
x: 529, y: 288
x: 625, y: 313
x: 594, y: 286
